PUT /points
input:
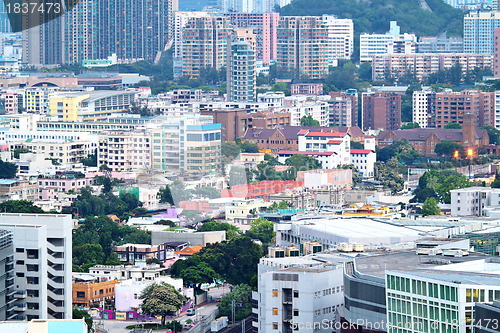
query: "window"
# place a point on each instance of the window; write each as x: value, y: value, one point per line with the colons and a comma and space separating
x: 275, y: 326
x: 275, y: 311
x: 275, y: 292
x: 296, y: 294
x: 80, y: 294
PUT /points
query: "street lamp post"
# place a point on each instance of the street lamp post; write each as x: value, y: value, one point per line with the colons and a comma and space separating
x: 470, y: 154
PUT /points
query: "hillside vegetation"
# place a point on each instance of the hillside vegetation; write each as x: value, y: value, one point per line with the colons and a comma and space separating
x: 423, y: 18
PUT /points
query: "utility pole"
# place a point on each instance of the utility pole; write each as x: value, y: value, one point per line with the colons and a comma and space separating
x: 233, y: 310
x: 243, y: 326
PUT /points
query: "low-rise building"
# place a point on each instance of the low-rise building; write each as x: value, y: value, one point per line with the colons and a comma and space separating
x: 474, y: 201
x: 90, y: 290
x: 203, y: 238
x: 125, y: 272
x: 298, y: 293
x: 138, y: 254
x: 14, y: 189
x: 66, y: 152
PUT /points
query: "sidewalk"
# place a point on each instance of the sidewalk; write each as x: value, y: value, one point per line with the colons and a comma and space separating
x: 185, y: 312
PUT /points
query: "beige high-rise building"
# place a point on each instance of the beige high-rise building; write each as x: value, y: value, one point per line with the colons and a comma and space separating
x: 204, y: 44
x: 303, y: 45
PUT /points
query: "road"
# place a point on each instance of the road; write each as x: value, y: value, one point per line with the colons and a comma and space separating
x: 118, y: 326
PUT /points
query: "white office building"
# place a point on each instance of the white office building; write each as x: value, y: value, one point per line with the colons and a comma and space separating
x: 392, y: 42
x: 42, y: 263
x: 473, y: 201
x: 294, y: 293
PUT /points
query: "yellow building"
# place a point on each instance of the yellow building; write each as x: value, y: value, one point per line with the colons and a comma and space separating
x: 66, y: 106
x: 89, y: 105
x: 244, y: 208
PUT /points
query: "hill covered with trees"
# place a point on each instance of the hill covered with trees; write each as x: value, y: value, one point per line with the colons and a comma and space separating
x: 421, y: 17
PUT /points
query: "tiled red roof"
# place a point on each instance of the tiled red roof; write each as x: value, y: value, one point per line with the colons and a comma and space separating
x: 327, y: 134
x: 313, y: 153
x: 361, y: 151
x: 302, y: 132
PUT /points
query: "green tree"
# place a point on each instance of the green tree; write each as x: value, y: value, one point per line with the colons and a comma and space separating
x: 493, y: 134
x: 303, y: 163
x: 20, y: 206
x: 248, y: 147
x: 453, y: 125
x: 356, y: 145
x: 79, y: 314
x: 161, y: 299
x: 387, y: 174
x: 7, y: 170
x: 496, y: 182
x: 448, y: 148
x: 230, y: 150
x: 410, y: 126
x: 130, y: 200
x: 262, y: 230
x: 18, y: 151
x: 231, y: 230
x: 88, y: 254
x: 166, y: 222
x: 438, y: 184
x: 430, y: 207
x: 234, y: 261
x: 90, y: 160
x: 242, y: 296
x: 166, y: 195
x: 308, y: 121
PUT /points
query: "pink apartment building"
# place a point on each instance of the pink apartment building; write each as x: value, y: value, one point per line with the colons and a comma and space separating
x: 264, y: 27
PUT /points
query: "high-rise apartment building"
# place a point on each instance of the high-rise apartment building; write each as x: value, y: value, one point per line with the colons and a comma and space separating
x: 42, y: 264
x: 496, y: 53
x: 204, y: 44
x: 352, y: 94
x: 93, y: 30
x: 340, y: 111
x: 420, y: 112
x: 264, y: 26
x: 303, y: 45
x: 453, y: 106
x: 180, y: 21
x: 44, y: 44
x: 392, y: 42
x: 340, y: 37
x: 241, y: 74
x: 478, y: 31
x: 381, y: 110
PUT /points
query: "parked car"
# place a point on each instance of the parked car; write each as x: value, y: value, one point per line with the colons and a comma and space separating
x: 191, y: 312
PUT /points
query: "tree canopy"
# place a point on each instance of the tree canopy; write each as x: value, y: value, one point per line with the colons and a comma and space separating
x: 20, y: 206
x: 453, y: 125
x: 387, y: 173
x: 438, y: 184
x: 7, y: 170
x: 262, y: 230
x: 308, y: 121
x: 231, y: 230
x: 234, y: 261
x: 242, y: 296
x: 430, y: 207
x: 161, y: 299
x: 448, y: 149
x: 401, y: 149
